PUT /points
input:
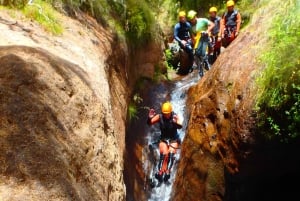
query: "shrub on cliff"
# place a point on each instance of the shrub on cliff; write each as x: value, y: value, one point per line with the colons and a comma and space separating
x: 278, y: 103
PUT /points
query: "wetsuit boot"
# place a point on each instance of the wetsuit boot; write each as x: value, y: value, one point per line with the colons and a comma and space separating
x: 170, y: 164
x: 206, y: 62
x: 159, y: 174
x: 190, y: 52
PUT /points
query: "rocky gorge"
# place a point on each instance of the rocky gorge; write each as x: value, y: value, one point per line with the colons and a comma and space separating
x: 63, y: 125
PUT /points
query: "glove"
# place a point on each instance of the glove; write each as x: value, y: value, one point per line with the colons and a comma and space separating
x: 151, y: 113
x: 175, y: 119
x: 183, y: 42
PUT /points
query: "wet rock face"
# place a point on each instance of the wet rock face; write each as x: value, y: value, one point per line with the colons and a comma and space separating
x: 220, y: 124
x: 63, y: 102
x: 56, y: 135
x: 223, y: 155
x: 62, y: 130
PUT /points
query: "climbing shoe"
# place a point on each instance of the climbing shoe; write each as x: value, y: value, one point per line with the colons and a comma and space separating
x: 201, y: 73
x: 159, y: 177
x: 207, y: 65
x: 166, y: 177
x: 152, y: 183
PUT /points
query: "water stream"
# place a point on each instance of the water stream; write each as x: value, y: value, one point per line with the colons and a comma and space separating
x: 178, y: 92
x: 147, y: 136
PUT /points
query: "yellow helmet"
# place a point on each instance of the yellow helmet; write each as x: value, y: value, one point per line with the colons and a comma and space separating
x: 213, y: 9
x: 181, y: 14
x: 230, y: 3
x: 166, y: 108
x: 191, y: 14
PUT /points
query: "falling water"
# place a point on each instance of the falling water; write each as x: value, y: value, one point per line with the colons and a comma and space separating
x: 177, y: 95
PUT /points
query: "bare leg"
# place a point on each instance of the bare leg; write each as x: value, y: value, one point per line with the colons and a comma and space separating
x: 163, y: 150
x: 172, y: 150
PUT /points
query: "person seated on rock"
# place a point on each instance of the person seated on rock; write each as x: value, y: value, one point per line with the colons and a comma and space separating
x: 230, y: 24
x: 201, y: 28
x: 182, y: 34
x: 169, y: 122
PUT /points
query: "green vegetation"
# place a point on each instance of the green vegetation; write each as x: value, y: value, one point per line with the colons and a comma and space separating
x: 133, y: 107
x: 246, y: 8
x: 39, y: 11
x: 44, y: 14
x: 14, y: 3
x: 278, y: 103
x: 169, y: 58
x: 202, y: 6
x: 132, y: 19
x: 129, y: 18
x: 140, y: 23
x: 132, y: 111
x: 159, y: 75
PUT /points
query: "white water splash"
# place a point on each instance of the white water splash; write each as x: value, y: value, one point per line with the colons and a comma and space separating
x: 178, y: 100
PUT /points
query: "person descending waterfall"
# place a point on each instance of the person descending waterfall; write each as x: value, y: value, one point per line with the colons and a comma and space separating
x: 230, y: 24
x: 200, y: 27
x: 169, y: 122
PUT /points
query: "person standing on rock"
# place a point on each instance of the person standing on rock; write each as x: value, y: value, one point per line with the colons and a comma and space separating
x: 215, y: 34
x: 230, y: 24
x: 201, y: 28
x: 169, y: 122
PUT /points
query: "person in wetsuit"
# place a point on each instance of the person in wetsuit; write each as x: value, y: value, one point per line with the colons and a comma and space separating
x: 215, y: 34
x: 230, y: 24
x: 182, y: 34
x: 169, y: 122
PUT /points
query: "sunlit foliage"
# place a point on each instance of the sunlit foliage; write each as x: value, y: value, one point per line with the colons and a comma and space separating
x: 278, y: 102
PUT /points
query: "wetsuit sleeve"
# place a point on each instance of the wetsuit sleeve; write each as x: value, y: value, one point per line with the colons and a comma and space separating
x: 153, y: 120
x: 176, y: 32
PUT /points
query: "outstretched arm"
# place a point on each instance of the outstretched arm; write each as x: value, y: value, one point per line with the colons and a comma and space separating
x: 177, y: 121
x: 152, y: 117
